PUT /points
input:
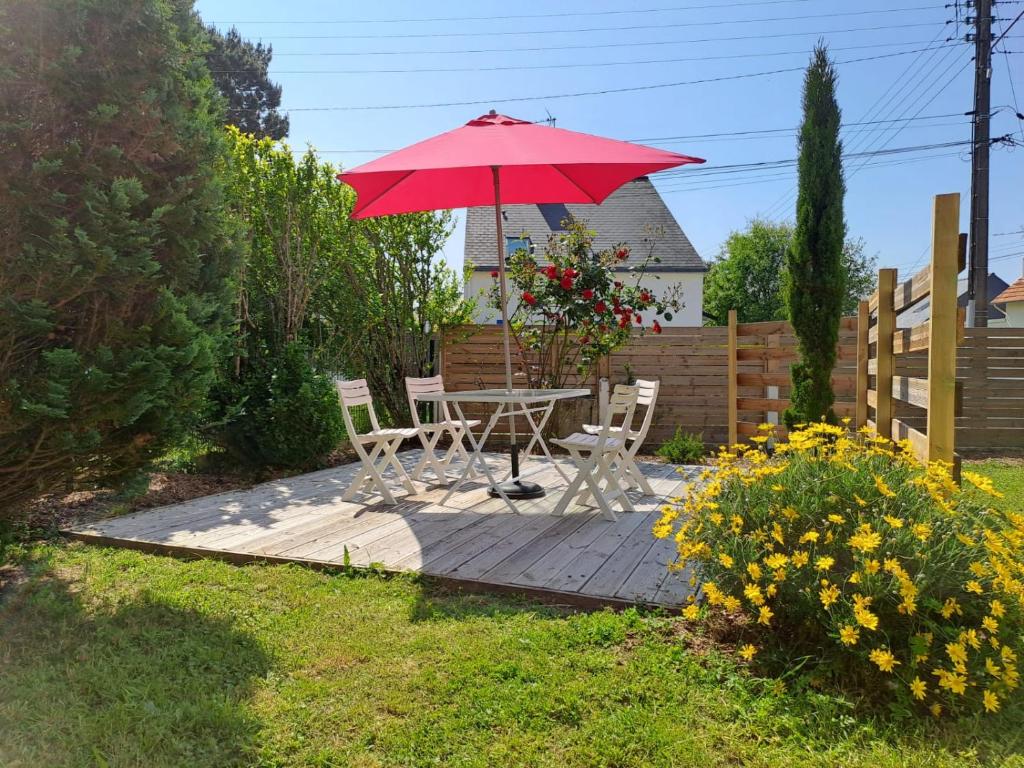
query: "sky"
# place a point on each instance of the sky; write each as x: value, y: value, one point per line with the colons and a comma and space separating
x: 362, y: 78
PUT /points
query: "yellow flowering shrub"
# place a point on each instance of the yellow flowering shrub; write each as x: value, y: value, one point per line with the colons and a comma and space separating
x: 848, y: 557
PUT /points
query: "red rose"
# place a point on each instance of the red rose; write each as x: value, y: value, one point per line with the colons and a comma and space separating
x: 617, y: 284
x: 529, y: 298
x: 639, y: 320
x: 551, y: 271
x: 622, y: 254
x: 645, y: 297
x: 588, y: 294
x: 600, y: 307
x: 570, y: 272
x: 623, y: 321
x: 656, y: 327
x: 585, y: 340
x: 494, y: 273
x: 567, y: 283
x: 626, y: 311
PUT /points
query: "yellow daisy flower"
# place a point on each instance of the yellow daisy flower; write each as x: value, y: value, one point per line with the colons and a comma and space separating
x: 765, y: 615
x: 748, y: 651
x: 991, y: 701
x: 849, y: 634
x: 918, y: 689
x: 883, y: 659
x: 691, y: 612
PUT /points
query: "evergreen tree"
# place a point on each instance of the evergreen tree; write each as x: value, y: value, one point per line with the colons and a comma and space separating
x: 240, y: 71
x: 114, y: 253
x: 815, y: 285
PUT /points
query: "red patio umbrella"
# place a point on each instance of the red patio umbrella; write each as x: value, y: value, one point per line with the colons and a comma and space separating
x: 497, y: 159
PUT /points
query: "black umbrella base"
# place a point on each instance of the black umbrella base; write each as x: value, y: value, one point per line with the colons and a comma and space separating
x: 518, y: 489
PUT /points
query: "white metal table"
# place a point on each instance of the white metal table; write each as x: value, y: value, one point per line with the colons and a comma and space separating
x: 510, y: 403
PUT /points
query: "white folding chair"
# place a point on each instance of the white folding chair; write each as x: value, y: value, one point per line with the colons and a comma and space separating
x: 386, y: 441
x: 593, y: 456
x: 626, y: 468
x: 431, y: 433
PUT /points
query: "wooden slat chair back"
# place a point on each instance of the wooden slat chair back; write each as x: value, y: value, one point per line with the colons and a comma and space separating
x: 431, y: 433
x: 380, y: 441
x: 595, y: 454
x: 647, y: 396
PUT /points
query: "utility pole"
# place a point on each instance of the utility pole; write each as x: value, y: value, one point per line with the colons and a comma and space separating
x: 977, y: 306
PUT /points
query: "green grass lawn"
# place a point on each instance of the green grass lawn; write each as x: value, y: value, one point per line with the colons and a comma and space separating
x: 115, y: 658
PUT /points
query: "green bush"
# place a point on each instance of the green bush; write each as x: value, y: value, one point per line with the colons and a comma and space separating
x: 843, y: 557
x: 683, y: 448
x: 281, y: 413
x: 115, y: 251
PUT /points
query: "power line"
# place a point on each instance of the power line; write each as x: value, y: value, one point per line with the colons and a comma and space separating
x: 563, y: 14
x: 577, y: 94
x: 594, y: 46
x: 618, y: 28
x: 1013, y: 89
x: 572, y: 65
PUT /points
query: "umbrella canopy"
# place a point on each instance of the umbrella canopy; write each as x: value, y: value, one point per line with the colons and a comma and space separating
x: 539, y: 164
x: 497, y: 159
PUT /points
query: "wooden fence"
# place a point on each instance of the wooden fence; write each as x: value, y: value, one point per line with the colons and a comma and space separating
x: 692, y: 364
x: 933, y: 397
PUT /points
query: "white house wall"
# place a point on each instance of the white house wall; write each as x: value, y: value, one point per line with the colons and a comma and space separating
x: 692, y: 295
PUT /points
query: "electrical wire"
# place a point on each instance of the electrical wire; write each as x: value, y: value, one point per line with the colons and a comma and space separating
x: 616, y: 29
x: 577, y: 94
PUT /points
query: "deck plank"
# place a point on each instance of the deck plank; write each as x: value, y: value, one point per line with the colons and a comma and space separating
x: 471, y: 539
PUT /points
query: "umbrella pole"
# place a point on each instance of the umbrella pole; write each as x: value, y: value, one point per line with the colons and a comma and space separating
x: 514, y: 488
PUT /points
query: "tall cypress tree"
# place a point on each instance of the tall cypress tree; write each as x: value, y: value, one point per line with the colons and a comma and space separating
x: 114, y: 248
x: 816, y: 280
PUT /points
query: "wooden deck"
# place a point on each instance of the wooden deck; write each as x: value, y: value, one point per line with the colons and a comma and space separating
x: 472, y: 540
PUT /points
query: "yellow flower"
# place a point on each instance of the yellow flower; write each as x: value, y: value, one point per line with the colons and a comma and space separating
x: 859, y: 500
x: 974, y: 586
x: 872, y: 566
x: 837, y: 519
x: 829, y: 595
x: 717, y: 518
x: 777, y: 533
x: 950, y: 607
x: 800, y: 559
x: 754, y: 570
x: 713, y: 593
x: 895, y: 522
x: 776, y: 561
x: 866, y: 539
x: 809, y: 536
x: 771, y: 590
x: 765, y: 616
x: 753, y: 593
x: 732, y: 604
x: 922, y: 531
x: 849, y: 634
x: 991, y: 701
x: 855, y: 577
x: 747, y: 652
x: 884, y: 659
x: 865, y: 618
x: 883, y: 489
x: 956, y: 652
x: 935, y: 709
x: 982, y: 483
x: 997, y: 609
x: 824, y: 563
x: 992, y: 668
x: 725, y: 560
x: 976, y: 568
x: 691, y: 612
x: 918, y: 689
x: 777, y: 488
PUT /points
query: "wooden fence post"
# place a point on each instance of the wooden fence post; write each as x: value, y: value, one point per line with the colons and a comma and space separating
x: 861, y: 411
x: 731, y: 376
x: 886, y: 361
x: 942, y: 339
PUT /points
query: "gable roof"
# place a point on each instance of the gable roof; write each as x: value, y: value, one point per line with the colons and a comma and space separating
x: 1014, y: 293
x: 627, y: 216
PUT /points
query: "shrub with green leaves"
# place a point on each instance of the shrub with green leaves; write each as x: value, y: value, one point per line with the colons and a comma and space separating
x: 114, y: 253
x: 683, y: 448
x: 841, y: 556
x: 282, y: 413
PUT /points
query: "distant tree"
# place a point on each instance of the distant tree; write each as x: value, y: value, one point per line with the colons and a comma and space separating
x: 240, y: 71
x: 114, y: 253
x: 749, y: 274
x: 816, y: 283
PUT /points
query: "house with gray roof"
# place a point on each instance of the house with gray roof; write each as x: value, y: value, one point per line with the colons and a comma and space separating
x: 634, y: 214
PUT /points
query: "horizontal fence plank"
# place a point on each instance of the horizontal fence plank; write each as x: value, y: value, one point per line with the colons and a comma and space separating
x: 914, y: 339
x: 903, y: 431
